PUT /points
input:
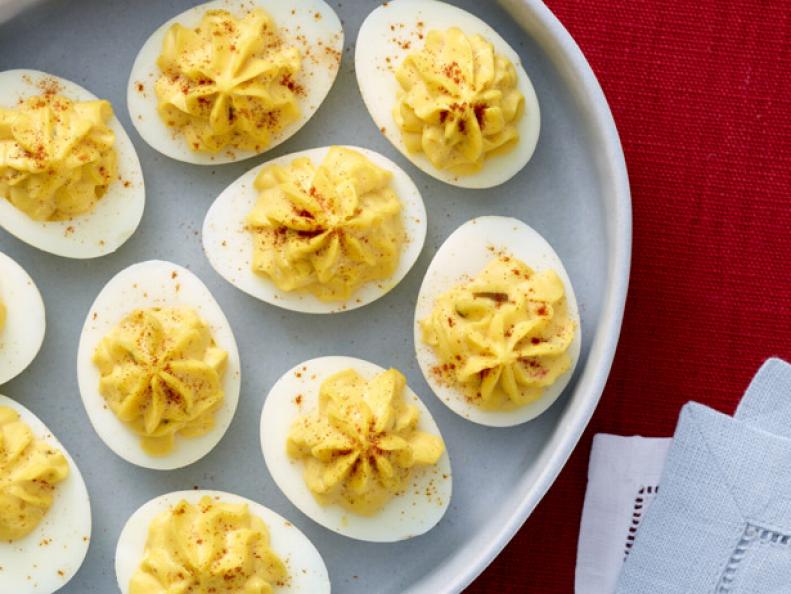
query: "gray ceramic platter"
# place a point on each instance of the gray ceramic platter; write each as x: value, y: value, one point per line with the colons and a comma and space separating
x: 574, y: 191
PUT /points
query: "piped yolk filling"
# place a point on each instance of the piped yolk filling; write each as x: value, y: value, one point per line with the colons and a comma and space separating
x: 57, y: 156
x: 458, y: 101
x: 30, y: 471
x: 161, y: 374
x: 502, y: 337
x: 208, y: 547
x: 362, y: 444
x: 228, y: 82
x: 326, y: 229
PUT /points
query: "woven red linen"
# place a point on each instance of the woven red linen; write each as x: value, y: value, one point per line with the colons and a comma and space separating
x: 701, y: 94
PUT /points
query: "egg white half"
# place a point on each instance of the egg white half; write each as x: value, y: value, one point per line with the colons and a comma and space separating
x: 114, y: 218
x: 464, y: 254
x: 229, y: 246
x: 319, y: 39
x: 46, y: 559
x: 23, y: 332
x: 388, y: 35
x: 306, y: 569
x: 404, y: 516
x: 154, y: 283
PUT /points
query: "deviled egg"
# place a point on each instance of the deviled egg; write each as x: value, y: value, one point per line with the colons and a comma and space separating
x: 229, y: 79
x: 158, y: 366
x: 448, y: 92
x: 45, y: 512
x: 497, y: 328
x: 22, y: 319
x: 319, y: 231
x: 356, y: 450
x: 70, y: 180
x: 223, y: 542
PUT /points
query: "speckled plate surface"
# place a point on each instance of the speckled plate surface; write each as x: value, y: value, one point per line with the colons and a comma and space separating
x: 574, y: 191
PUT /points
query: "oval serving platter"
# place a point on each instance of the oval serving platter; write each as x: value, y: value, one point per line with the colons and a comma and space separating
x: 574, y: 192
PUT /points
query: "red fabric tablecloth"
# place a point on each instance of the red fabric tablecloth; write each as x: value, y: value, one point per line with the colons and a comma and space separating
x: 701, y: 94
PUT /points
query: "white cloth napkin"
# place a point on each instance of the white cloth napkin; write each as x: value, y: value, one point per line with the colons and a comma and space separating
x: 722, y: 519
x: 719, y: 495
x: 623, y: 477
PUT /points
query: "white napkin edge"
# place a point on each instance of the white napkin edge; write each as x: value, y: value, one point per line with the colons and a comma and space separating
x: 619, y: 467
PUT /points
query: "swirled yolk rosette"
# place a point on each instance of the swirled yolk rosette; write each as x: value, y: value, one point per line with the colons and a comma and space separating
x: 30, y: 470
x: 458, y: 101
x: 57, y: 156
x: 503, y: 336
x: 161, y: 374
x: 211, y: 546
x: 326, y: 229
x: 228, y: 82
x: 362, y: 444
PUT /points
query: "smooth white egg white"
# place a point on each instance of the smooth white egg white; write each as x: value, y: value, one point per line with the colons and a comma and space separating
x: 154, y: 283
x: 464, y: 254
x: 46, y: 559
x: 310, y: 25
x: 404, y: 516
x: 23, y: 332
x: 306, y: 569
x: 114, y: 218
x: 229, y: 246
x: 388, y: 35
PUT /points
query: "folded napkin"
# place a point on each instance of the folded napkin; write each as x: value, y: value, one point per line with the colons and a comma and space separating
x: 623, y: 479
x: 721, y: 522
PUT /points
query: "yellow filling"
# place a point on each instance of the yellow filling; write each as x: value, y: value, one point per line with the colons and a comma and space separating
x: 228, y: 82
x: 326, y: 229
x: 502, y: 337
x: 362, y: 444
x: 458, y: 101
x: 210, y: 547
x: 2, y: 315
x: 161, y: 374
x: 56, y: 156
x: 29, y: 471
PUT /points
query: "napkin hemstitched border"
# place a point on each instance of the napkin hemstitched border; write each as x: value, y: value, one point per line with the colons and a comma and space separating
x: 731, y: 568
x: 645, y: 495
x: 753, y: 534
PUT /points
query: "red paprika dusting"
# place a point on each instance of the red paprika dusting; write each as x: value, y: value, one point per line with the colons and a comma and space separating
x: 453, y: 72
x: 310, y: 234
x: 478, y: 108
x: 292, y: 85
